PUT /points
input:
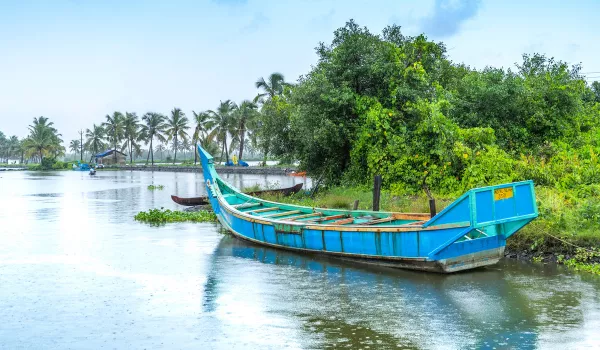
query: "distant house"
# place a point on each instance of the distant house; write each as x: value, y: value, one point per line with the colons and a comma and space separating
x: 108, y: 158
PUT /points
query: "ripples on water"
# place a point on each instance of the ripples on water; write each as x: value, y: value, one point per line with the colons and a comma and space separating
x: 77, y: 272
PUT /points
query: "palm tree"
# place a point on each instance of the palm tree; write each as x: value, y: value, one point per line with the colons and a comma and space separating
x: 202, y: 130
x: 154, y: 127
x: 246, y: 113
x: 176, y: 127
x: 43, y: 139
x: 131, y: 134
x: 95, y: 139
x: 75, y: 146
x: 272, y: 87
x: 12, y: 147
x: 221, y: 120
x: 161, y: 148
x: 113, y: 127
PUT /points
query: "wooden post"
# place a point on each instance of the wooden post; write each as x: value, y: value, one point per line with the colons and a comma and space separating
x: 432, y: 209
x: 355, y: 206
x: 376, y: 192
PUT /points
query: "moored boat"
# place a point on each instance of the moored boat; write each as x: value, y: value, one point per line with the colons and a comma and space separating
x: 191, y: 201
x: 471, y: 232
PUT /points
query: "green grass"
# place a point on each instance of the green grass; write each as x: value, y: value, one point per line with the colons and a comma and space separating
x: 163, y: 216
x: 565, y: 223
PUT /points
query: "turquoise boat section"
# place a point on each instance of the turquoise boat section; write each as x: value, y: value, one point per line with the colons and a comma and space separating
x: 469, y: 233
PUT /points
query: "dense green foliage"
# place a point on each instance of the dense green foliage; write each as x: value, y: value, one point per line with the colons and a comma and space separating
x: 397, y: 106
x: 162, y: 216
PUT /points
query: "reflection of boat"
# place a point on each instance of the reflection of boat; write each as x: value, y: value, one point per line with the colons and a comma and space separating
x: 471, y: 232
x: 293, y: 173
x: 204, y: 200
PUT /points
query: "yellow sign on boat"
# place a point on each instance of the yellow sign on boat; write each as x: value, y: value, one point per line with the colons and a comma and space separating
x: 503, y: 193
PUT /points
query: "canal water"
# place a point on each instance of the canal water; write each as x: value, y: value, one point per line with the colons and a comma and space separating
x: 77, y: 272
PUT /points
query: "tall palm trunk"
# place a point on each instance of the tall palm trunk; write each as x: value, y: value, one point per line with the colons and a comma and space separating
x: 226, y: 151
x: 115, y: 145
x: 175, y: 157
x: 242, y: 135
x: 152, y: 152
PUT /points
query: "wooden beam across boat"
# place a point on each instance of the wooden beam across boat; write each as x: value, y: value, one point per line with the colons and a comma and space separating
x: 342, y: 221
x: 263, y: 210
x: 285, y: 213
x: 304, y: 216
x: 378, y: 221
x: 327, y: 218
x: 247, y: 205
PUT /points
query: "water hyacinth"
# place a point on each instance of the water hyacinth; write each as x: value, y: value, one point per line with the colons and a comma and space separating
x: 163, y: 216
x: 155, y: 187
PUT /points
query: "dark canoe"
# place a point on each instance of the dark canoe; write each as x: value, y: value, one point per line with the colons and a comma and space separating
x: 192, y: 201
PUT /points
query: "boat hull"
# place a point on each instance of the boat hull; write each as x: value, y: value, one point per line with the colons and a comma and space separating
x: 476, y: 257
x: 469, y: 233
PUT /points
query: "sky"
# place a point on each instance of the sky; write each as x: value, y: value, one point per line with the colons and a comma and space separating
x: 75, y: 61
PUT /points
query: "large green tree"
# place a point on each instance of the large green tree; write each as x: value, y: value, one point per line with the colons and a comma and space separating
x: 44, y: 139
x: 94, y: 139
x: 176, y: 128
x: 113, y: 127
x: 202, y: 131
x: 221, y: 119
x: 154, y: 127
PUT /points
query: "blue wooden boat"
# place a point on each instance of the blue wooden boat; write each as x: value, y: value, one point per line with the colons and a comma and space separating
x: 469, y: 233
x: 81, y: 167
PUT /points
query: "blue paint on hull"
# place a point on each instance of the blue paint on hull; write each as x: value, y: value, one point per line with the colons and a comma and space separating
x: 469, y: 233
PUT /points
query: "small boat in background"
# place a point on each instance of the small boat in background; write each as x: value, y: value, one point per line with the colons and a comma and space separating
x: 81, y: 166
x: 92, y: 171
x: 301, y: 173
x: 469, y: 233
x: 192, y: 201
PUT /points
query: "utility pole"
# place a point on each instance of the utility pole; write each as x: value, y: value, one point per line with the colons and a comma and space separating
x: 81, y: 145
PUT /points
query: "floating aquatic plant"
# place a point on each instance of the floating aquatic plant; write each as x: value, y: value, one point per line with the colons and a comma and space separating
x: 163, y: 216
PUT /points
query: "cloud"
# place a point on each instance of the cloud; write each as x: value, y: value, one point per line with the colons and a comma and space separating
x: 447, y: 17
x: 258, y: 21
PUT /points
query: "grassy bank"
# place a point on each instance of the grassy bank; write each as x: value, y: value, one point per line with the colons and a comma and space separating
x: 567, y: 230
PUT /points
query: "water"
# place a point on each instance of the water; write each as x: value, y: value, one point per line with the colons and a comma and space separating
x: 77, y: 272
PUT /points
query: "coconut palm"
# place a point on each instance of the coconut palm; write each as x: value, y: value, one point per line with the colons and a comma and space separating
x: 43, y: 139
x: 177, y: 124
x: 131, y: 134
x: 154, y: 126
x: 161, y: 149
x: 75, y: 146
x: 221, y: 120
x: 245, y: 114
x: 113, y: 128
x: 271, y: 87
x: 95, y: 139
x: 202, y: 130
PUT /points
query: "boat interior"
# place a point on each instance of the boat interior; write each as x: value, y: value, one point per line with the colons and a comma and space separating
x: 262, y: 209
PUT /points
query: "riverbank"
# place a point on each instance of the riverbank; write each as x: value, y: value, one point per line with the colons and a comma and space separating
x: 556, y: 236
x: 268, y: 170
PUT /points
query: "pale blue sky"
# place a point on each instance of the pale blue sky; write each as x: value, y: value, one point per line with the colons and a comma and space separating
x: 75, y: 61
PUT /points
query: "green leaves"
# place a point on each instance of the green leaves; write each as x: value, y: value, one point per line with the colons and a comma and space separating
x: 163, y: 216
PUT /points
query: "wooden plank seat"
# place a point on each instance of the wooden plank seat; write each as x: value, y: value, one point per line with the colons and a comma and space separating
x: 304, y: 216
x: 327, y: 218
x: 285, y: 213
x: 247, y: 205
x: 378, y: 221
x: 263, y: 210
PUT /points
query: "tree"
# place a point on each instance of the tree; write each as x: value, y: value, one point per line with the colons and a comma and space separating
x: 245, y: 114
x: 221, y: 120
x: 161, y: 148
x: 201, y: 131
x: 43, y: 139
x: 75, y: 146
x: 177, y: 124
x: 113, y: 128
x: 154, y: 126
x: 131, y: 134
x: 271, y: 87
x: 95, y: 139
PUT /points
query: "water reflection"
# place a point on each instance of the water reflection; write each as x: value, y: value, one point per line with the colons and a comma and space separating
x: 78, y: 272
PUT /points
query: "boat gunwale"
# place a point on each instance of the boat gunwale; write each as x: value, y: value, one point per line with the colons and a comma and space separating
x: 329, y: 227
